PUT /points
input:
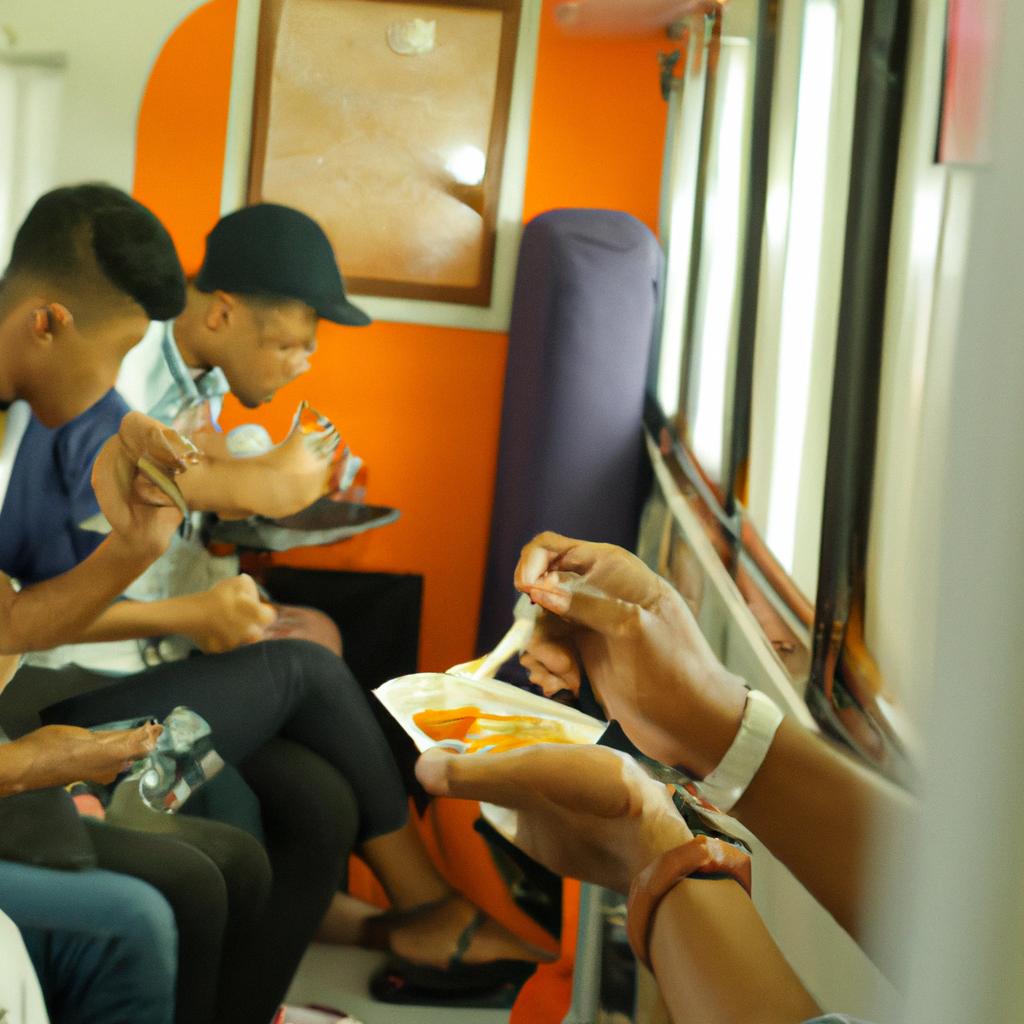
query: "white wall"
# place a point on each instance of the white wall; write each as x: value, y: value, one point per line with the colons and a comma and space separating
x: 930, y: 226
x: 965, y: 570
x: 109, y: 47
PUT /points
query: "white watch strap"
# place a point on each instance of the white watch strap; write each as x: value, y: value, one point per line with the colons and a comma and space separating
x: 729, y: 781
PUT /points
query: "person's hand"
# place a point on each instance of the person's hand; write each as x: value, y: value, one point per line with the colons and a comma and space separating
x: 230, y: 614
x: 643, y: 652
x: 298, y: 475
x: 140, y: 514
x: 170, y: 451
x: 550, y: 657
x: 9, y: 663
x: 58, y: 754
x: 584, y: 812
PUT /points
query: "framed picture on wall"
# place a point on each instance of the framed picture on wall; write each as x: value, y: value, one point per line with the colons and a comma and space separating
x: 387, y: 122
x: 972, y: 34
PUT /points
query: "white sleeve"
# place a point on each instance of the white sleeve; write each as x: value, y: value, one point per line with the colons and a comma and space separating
x: 21, y: 1001
x: 143, y: 377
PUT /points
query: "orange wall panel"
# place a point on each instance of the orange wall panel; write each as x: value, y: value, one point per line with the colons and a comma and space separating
x: 179, y: 149
x: 420, y: 404
x: 598, y: 124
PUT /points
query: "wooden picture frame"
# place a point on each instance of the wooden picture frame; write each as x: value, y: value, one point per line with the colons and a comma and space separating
x: 366, y: 139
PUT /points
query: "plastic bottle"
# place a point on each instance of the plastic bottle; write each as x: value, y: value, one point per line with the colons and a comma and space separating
x: 184, y: 760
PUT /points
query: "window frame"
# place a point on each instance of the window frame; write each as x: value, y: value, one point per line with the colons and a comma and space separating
x: 821, y: 645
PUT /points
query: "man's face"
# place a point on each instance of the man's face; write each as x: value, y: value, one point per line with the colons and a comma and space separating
x: 76, y: 367
x: 270, y: 346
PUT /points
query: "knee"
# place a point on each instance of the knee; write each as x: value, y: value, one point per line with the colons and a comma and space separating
x: 328, y: 812
x: 142, y: 914
x: 315, y: 667
x: 312, y: 625
x: 142, y: 927
x: 307, y: 803
x: 243, y: 863
x: 196, y: 891
x: 342, y: 812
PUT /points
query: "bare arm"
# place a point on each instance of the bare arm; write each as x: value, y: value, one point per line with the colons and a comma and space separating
x: 715, y: 961
x: 814, y: 807
x: 820, y: 812
x: 591, y: 813
x: 58, y: 754
x: 226, y: 616
x: 48, y: 613
x: 282, y: 482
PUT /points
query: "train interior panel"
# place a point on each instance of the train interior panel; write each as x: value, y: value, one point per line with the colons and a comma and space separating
x: 730, y: 286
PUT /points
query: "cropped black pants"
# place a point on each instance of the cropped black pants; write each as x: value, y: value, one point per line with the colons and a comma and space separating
x: 289, y: 688
x: 296, y: 724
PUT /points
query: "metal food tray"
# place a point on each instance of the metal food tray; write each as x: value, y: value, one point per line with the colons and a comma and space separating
x: 325, y: 522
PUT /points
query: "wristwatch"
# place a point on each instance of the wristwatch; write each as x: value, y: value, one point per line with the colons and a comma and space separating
x: 728, y: 782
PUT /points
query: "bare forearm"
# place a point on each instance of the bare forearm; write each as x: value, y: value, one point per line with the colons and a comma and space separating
x: 134, y: 620
x: 57, y: 754
x: 54, y: 612
x: 236, y: 488
x: 819, y: 812
x: 23, y: 768
x: 716, y: 963
x: 229, y: 487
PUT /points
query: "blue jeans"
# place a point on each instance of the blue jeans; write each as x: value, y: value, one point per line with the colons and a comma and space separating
x: 104, y: 945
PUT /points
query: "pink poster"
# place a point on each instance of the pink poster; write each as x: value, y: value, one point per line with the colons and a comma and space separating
x: 972, y: 36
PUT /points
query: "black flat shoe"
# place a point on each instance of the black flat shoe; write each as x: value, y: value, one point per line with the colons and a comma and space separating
x: 493, y: 983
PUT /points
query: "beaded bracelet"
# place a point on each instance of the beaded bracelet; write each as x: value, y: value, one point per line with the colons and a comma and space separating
x: 701, y: 856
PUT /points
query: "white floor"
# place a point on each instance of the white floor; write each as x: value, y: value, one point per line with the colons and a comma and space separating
x: 337, y: 977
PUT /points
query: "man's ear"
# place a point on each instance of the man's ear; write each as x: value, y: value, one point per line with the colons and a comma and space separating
x: 45, y: 321
x: 220, y: 310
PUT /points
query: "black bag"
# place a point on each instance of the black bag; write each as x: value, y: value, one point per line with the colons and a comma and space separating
x: 42, y: 828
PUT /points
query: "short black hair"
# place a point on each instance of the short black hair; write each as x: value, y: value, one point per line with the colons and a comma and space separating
x: 75, y: 231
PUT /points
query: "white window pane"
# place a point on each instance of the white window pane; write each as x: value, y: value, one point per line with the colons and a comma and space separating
x: 30, y: 101
x: 680, y: 191
x: 8, y: 154
x: 802, y: 274
x: 715, y: 326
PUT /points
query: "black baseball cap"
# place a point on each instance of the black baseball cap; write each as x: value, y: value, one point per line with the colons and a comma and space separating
x: 269, y: 249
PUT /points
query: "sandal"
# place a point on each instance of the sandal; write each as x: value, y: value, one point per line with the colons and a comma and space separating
x: 493, y: 983
x: 375, y: 932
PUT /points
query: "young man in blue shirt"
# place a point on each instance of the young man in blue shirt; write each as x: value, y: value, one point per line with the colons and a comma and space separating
x: 248, y: 327
x: 89, y: 268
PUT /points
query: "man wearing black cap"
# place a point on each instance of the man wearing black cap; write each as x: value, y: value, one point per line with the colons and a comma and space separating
x: 250, y: 322
x: 248, y: 327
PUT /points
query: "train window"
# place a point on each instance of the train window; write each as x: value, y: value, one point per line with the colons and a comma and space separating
x: 715, y: 301
x: 685, y: 92
x: 31, y: 89
x: 775, y: 323
x: 791, y: 407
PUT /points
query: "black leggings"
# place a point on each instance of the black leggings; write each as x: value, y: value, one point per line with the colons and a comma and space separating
x: 244, y: 915
x: 288, y: 688
x: 203, y: 895
x: 310, y: 821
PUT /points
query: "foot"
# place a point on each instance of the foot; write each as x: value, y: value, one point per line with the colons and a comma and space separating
x: 434, y: 936
x: 347, y: 920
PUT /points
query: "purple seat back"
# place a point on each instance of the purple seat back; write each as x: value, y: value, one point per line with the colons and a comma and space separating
x: 571, y: 454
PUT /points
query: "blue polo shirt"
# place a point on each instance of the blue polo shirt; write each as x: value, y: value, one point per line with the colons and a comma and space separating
x: 49, y: 494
